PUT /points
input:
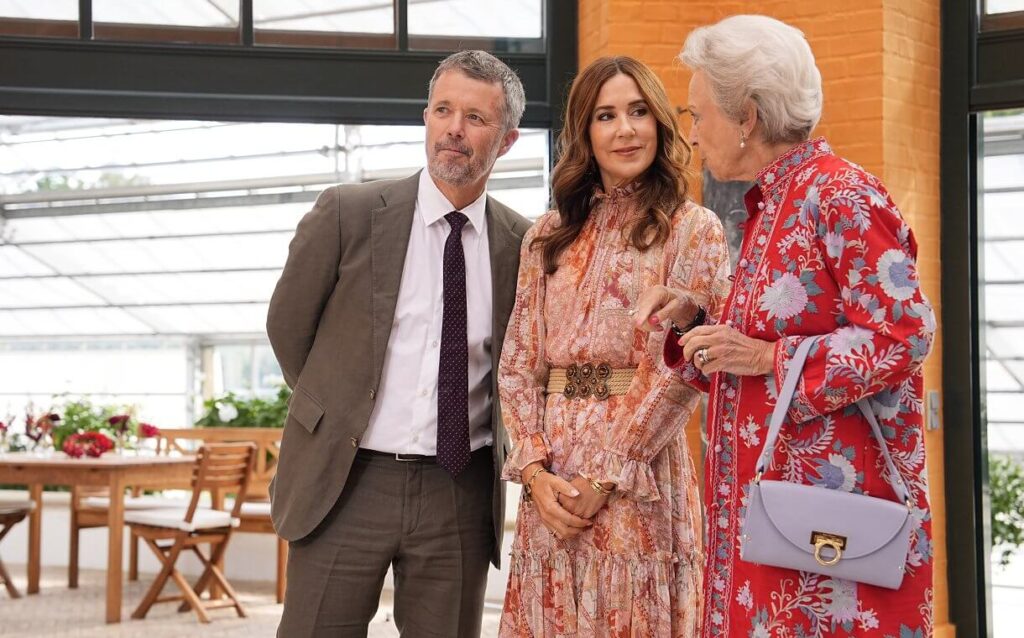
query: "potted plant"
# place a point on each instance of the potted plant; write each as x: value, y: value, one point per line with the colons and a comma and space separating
x: 1006, y: 497
x: 234, y: 411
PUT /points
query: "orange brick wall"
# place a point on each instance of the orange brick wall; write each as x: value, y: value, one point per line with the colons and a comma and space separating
x: 910, y: 116
x: 879, y: 61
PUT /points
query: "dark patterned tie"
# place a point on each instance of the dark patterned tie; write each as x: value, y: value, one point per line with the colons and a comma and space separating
x: 453, y: 371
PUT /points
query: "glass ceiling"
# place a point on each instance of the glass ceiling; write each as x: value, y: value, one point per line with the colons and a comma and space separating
x: 134, y: 227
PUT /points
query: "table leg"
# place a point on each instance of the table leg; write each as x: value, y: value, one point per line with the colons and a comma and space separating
x: 282, y: 568
x: 35, y: 537
x: 217, y: 503
x: 115, y: 548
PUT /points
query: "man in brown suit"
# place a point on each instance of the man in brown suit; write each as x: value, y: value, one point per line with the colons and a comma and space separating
x: 388, y: 322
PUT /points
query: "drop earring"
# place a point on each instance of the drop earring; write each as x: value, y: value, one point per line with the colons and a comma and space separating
x: 743, y: 141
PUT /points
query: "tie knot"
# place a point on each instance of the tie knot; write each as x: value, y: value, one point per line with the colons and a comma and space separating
x: 457, y: 220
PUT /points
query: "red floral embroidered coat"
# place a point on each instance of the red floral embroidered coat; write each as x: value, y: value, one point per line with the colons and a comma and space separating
x: 825, y: 256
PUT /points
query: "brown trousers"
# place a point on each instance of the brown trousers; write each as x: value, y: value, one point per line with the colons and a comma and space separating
x: 434, y: 530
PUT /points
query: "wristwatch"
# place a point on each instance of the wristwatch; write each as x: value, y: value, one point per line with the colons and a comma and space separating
x: 698, y: 320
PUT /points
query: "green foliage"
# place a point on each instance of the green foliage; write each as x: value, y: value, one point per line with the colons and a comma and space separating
x: 51, y: 183
x: 55, y: 183
x: 234, y: 411
x: 1006, y: 493
x: 81, y: 415
x: 17, y: 442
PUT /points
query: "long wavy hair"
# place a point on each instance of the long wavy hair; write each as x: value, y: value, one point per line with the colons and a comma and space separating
x: 663, y: 186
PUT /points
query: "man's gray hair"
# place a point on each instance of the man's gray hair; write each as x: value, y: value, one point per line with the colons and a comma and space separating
x: 483, y: 66
x: 765, y: 60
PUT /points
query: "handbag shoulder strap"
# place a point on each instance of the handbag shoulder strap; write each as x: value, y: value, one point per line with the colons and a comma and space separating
x: 785, y: 399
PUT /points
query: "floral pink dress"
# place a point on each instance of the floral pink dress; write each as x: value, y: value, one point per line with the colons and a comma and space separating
x: 826, y: 256
x: 637, y: 570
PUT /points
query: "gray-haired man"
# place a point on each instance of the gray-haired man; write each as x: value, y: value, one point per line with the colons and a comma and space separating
x: 388, y: 322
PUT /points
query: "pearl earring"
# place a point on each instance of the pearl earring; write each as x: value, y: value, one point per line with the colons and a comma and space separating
x: 743, y: 141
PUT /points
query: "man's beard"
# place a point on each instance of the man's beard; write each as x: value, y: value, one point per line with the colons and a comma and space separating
x: 454, y: 171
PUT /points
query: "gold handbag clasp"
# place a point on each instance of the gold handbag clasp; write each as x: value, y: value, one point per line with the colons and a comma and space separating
x: 835, y: 542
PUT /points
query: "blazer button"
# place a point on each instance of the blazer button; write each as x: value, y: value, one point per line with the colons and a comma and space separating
x: 355, y: 442
x: 373, y: 393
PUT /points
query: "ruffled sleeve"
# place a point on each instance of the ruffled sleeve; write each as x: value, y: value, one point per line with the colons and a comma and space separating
x: 523, y: 368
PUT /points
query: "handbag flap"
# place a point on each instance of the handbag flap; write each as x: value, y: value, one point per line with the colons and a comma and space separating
x: 797, y: 511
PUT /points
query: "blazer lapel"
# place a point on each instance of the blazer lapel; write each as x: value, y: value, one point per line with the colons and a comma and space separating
x: 390, y: 227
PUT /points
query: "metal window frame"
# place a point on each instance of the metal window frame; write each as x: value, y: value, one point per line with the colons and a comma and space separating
x: 246, y: 82
x: 982, y: 69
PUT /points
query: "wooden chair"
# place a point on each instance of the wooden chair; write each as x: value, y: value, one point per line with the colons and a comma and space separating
x: 255, y: 512
x: 89, y: 506
x: 225, y: 469
x: 11, y: 513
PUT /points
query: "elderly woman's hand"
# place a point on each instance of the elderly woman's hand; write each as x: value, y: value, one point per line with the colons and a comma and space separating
x: 724, y: 349
x: 659, y: 305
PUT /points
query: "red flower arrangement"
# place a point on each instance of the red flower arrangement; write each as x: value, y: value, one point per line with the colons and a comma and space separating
x: 93, y: 444
x: 38, y: 427
x: 148, y: 431
x: 120, y: 422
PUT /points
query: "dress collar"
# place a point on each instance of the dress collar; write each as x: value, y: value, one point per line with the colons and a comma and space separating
x: 619, y: 192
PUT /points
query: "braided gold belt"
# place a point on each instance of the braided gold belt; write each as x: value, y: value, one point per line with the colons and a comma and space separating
x: 590, y: 380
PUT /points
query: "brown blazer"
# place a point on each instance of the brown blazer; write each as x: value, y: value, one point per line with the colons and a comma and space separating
x: 329, y: 322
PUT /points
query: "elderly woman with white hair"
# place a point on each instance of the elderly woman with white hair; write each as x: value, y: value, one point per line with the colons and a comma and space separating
x: 826, y: 257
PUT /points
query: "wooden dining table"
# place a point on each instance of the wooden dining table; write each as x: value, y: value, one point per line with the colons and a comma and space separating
x: 112, y: 470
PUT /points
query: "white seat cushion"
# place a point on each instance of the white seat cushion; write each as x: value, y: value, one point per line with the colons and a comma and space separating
x: 136, y: 502
x: 6, y: 506
x: 175, y: 519
x: 257, y: 508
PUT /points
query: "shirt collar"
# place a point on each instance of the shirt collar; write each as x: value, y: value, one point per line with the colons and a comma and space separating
x: 433, y: 205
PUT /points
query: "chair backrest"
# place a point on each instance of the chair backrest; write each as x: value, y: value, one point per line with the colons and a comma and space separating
x: 224, y: 468
x: 81, y: 492
x: 268, y: 449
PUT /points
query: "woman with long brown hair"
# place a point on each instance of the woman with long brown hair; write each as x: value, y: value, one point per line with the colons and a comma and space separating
x: 608, y: 539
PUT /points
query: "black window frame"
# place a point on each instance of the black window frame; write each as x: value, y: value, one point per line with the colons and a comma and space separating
x: 982, y: 69
x: 245, y: 82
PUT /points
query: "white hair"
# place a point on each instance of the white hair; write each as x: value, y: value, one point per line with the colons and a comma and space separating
x: 765, y: 60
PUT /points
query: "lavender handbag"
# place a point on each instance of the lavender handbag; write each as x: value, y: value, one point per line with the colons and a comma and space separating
x: 816, y: 529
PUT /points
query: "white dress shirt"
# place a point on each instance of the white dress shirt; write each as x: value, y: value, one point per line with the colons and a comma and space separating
x: 404, y: 417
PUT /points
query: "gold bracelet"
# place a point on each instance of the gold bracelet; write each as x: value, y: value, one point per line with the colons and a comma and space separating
x: 528, y: 485
x: 600, y: 489
x: 597, y: 487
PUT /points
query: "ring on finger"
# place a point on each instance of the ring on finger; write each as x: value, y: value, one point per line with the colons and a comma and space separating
x: 702, y: 354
